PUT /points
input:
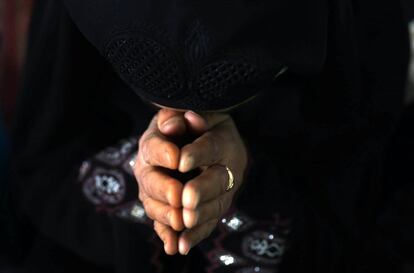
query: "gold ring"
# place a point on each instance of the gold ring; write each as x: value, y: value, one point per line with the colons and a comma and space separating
x: 230, y: 184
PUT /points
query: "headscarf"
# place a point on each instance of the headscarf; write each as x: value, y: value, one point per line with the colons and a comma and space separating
x: 204, y: 55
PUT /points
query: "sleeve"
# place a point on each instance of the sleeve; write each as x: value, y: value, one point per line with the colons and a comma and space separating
x: 64, y: 117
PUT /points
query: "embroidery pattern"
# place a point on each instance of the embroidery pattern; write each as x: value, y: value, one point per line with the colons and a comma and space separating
x: 242, y: 244
x: 156, y: 69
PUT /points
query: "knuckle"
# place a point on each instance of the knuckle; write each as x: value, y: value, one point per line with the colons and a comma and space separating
x: 220, y: 206
x: 160, y: 231
x: 150, y: 215
x: 224, y: 177
x: 141, y: 140
x: 145, y: 203
x: 139, y: 177
x: 211, y: 226
x: 170, y: 187
x: 143, y: 179
x: 145, y: 174
x: 138, y: 166
x: 209, y: 229
x: 141, y: 196
x: 146, y: 157
x: 156, y: 227
x: 151, y: 140
x: 223, y: 206
x: 212, y: 141
x: 148, y: 208
x: 137, y: 174
x: 167, y: 216
x: 227, y: 204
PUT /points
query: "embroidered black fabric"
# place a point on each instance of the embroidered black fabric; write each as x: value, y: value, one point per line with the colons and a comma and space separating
x: 146, y: 65
x: 155, y: 73
x: 204, y: 55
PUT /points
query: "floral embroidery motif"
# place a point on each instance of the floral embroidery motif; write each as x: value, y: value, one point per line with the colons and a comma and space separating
x: 246, y: 245
x: 115, y: 155
x: 107, y: 178
x: 105, y: 187
x: 264, y: 247
x: 134, y: 212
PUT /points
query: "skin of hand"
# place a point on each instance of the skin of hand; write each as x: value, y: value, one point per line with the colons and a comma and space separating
x: 195, y: 207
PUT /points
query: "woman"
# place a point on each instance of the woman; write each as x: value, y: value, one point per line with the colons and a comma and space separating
x: 299, y: 82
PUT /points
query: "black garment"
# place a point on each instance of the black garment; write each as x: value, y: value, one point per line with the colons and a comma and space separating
x: 316, y: 137
x: 195, y: 56
x: 409, y: 9
x: 394, y: 239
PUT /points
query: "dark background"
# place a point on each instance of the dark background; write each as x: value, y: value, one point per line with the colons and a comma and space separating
x: 409, y: 8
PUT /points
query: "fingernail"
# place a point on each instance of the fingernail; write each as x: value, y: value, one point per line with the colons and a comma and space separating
x: 194, y: 115
x: 165, y: 248
x: 170, y: 198
x: 195, y: 118
x: 190, y: 199
x: 190, y: 218
x: 167, y: 123
x: 186, y: 163
x: 184, y: 248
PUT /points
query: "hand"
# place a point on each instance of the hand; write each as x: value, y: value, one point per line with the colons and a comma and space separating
x: 159, y: 193
x: 204, y: 198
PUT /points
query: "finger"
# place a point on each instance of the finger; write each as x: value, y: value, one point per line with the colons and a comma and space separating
x: 201, y: 123
x: 168, y: 236
x: 191, y: 237
x: 164, y: 214
x: 210, y: 184
x: 165, y: 114
x: 204, y: 151
x: 207, y: 211
x: 196, y: 123
x: 157, y: 150
x: 171, y: 123
x: 160, y: 186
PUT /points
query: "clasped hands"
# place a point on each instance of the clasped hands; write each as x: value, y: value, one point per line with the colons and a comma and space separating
x: 185, y: 214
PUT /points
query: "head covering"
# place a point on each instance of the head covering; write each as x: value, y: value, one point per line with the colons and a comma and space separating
x: 204, y: 55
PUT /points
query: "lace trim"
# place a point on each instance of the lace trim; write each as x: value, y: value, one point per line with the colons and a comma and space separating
x: 154, y: 71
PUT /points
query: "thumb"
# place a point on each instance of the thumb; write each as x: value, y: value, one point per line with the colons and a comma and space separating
x: 171, y: 123
x: 200, y: 123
